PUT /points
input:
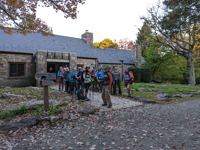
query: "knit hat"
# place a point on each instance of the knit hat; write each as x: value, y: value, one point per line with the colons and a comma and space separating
x: 94, y: 66
x: 87, y: 66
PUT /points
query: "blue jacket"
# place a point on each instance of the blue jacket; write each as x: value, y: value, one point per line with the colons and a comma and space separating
x: 100, y: 75
x: 60, y: 74
x: 68, y: 76
x: 74, y: 74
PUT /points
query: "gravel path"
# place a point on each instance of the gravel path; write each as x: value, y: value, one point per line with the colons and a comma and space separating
x: 158, y: 127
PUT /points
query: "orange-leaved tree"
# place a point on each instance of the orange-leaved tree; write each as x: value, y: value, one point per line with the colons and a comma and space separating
x: 20, y: 15
x: 125, y: 44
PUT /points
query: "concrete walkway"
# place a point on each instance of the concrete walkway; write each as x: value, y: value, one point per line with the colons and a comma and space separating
x: 118, y: 102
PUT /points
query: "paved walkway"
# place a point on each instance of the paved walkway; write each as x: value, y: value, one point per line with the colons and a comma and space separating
x: 118, y: 102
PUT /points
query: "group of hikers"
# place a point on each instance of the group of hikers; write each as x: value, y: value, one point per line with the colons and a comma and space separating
x: 106, y: 79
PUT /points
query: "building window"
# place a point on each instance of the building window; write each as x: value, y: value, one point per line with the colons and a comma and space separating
x: 79, y: 66
x: 17, y: 69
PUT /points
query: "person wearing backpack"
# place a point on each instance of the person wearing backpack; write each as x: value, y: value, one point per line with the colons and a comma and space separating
x: 107, y: 81
x: 99, y: 76
x: 68, y: 78
x: 116, y: 81
x: 74, y: 74
x: 128, y: 80
x: 94, y: 83
x: 61, y: 77
x: 78, y: 77
x: 86, y: 78
x: 111, y: 89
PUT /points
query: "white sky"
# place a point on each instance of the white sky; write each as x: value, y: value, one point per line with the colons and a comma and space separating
x: 113, y: 19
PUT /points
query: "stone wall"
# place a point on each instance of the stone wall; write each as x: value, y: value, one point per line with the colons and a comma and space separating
x: 73, y: 61
x: 88, y: 37
x: 5, y: 59
x: 84, y: 62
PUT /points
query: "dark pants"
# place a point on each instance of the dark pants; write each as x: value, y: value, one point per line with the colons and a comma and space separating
x: 117, y: 82
x: 94, y: 84
x: 67, y: 86
x: 60, y: 83
x: 111, y: 88
x: 79, y: 84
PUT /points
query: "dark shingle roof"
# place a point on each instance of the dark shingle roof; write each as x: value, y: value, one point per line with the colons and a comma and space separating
x: 110, y: 55
x: 35, y: 41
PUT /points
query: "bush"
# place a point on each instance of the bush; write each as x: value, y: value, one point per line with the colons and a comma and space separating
x: 28, y: 80
x: 198, y: 80
x: 136, y: 73
x: 108, y: 66
x: 145, y: 75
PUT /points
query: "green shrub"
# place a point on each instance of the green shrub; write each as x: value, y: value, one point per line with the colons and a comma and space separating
x: 108, y: 66
x: 198, y: 80
x: 145, y: 75
x: 136, y: 73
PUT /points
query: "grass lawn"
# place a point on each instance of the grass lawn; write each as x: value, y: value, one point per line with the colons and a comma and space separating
x: 169, y: 89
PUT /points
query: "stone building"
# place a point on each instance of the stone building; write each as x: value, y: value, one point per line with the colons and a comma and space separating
x: 21, y: 56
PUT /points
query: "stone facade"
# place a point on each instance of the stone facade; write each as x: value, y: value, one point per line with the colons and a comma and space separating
x: 88, y: 37
x: 137, y: 54
x: 73, y: 61
x: 5, y: 59
x: 84, y: 62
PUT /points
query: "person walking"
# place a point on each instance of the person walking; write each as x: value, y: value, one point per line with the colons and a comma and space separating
x: 67, y: 80
x: 107, y: 81
x: 78, y: 77
x: 116, y: 81
x: 86, y: 78
x: 94, y: 82
x: 99, y: 76
x: 128, y: 80
x: 61, y: 77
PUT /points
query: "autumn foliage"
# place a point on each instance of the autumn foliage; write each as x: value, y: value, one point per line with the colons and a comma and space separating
x: 20, y: 15
x: 125, y: 44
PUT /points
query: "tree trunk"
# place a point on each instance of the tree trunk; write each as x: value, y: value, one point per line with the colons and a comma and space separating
x: 190, y: 64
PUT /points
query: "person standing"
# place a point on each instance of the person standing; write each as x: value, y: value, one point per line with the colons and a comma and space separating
x: 74, y: 74
x: 94, y: 82
x: 128, y: 80
x: 99, y: 76
x: 78, y: 77
x: 61, y: 77
x: 107, y: 81
x: 116, y: 81
x: 82, y: 81
x: 67, y: 80
x: 86, y: 78
x: 111, y: 89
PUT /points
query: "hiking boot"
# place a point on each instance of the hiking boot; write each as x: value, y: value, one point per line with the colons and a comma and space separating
x: 129, y: 95
x: 104, y: 104
x: 109, y: 106
x: 87, y: 99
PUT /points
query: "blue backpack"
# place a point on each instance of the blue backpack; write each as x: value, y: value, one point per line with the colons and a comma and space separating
x: 80, y: 94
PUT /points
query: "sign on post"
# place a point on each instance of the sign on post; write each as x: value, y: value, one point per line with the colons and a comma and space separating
x: 45, y: 81
x: 45, y: 76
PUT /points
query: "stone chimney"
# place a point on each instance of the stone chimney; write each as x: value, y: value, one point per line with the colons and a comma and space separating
x: 88, y: 37
x: 137, y: 55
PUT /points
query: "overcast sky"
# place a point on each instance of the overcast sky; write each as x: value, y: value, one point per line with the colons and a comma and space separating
x: 113, y: 19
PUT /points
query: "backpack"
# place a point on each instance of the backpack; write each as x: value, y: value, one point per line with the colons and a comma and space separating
x: 80, y: 94
x: 131, y: 75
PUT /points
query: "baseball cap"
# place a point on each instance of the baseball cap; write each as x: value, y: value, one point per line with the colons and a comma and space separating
x: 94, y: 66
